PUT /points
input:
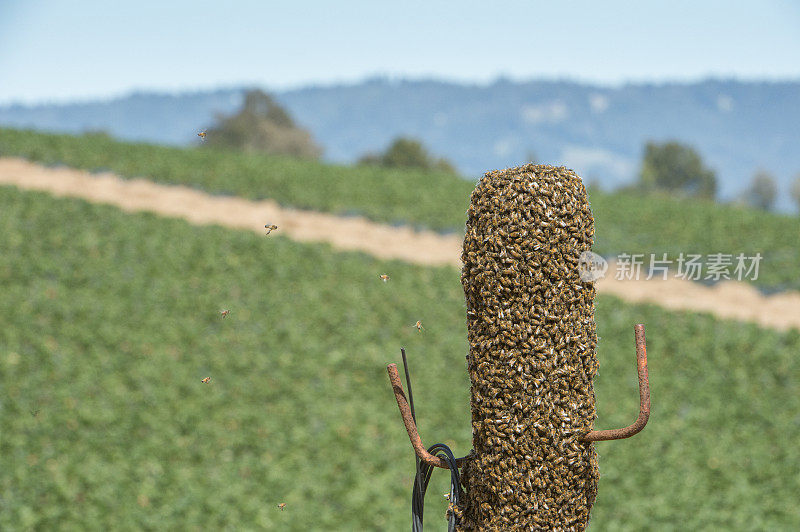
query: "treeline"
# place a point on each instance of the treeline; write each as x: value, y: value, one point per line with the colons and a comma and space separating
x: 678, y: 169
x: 262, y: 125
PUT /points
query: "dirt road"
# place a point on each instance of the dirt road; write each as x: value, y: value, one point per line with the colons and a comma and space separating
x: 733, y: 300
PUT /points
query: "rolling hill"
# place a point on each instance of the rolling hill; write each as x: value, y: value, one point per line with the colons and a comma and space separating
x: 625, y: 222
x: 738, y: 127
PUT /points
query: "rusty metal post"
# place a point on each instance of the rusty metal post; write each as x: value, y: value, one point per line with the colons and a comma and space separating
x: 532, y: 357
x: 530, y: 322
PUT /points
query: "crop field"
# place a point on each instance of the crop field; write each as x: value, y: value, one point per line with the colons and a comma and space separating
x: 111, y: 320
x: 625, y: 222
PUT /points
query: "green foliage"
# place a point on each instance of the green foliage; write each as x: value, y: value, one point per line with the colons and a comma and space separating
x: 110, y: 321
x: 426, y: 199
x: 262, y: 126
x: 717, y: 429
x: 762, y: 191
x: 676, y: 167
x: 626, y: 222
x: 408, y: 153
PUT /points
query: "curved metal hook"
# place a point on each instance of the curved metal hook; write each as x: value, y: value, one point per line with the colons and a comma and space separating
x: 411, y: 427
x: 591, y: 436
x: 644, y: 397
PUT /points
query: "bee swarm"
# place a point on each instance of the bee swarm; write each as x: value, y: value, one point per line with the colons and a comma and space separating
x: 532, y: 355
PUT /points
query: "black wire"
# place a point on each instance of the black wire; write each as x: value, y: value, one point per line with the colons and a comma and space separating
x: 408, y: 383
x: 424, y: 471
x: 417, y: 477
x: 421, y: 485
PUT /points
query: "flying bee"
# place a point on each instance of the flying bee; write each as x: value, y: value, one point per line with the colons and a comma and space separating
x: 224, y: 313
x: 270, y: 228
x: 384, y: 277
x: 419, y: 326
x: 206, y: 380
x: 202, y: 134
x: 282, y: 506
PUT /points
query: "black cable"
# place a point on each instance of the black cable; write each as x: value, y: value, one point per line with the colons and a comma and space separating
x: 417, y: 477
x: 421, y: 485
x: 424, y: 471
x: 408, y: 383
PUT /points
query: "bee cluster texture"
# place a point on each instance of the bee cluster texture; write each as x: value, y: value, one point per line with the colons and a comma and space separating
x: 532, y: 354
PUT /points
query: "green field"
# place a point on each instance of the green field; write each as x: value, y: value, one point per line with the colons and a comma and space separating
x: 625, y: 222
x: 110, y: 321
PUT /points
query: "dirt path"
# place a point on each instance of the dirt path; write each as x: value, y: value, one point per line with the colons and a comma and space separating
x: 734, y: 300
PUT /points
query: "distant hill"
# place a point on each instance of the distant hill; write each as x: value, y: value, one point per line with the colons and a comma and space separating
x: 737, y: 126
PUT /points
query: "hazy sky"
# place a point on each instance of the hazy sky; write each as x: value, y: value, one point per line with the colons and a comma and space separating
x: 80, y: 49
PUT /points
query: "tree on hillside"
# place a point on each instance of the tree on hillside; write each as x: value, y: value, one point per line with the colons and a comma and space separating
x: 406, y: 152
x: 261, y: 125
x: 762, y: 191
x: 676, y: 167
x: 794, y: 190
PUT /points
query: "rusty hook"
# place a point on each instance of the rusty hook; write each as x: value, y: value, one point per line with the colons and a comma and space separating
x: 644, y: 397
x: 591, y: 436
x: 411, y: 426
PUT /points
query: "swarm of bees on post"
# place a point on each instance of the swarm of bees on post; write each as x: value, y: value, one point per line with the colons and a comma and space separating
x: 532, y: 355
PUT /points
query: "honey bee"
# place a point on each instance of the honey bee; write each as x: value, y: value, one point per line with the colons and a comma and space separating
x: 384, y: 277
x: 202, y: 134
x: 224, y: 313
x: 282, y: 506
x: 270, y: 228
x: 419, y: 326
x: 206, y: 380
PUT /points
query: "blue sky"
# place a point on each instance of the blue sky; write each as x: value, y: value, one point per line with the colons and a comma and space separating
x: 83, y: 49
